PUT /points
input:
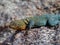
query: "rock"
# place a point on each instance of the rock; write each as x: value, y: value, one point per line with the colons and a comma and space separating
x: 37, y: 36
x: 5, y: 33
x: 18, y: 9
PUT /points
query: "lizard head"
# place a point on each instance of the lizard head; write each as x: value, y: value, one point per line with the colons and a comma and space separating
x: 17, y: 25
x: 13, y: 25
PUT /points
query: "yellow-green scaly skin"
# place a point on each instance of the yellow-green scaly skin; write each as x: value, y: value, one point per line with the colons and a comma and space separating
x: 18, y: 25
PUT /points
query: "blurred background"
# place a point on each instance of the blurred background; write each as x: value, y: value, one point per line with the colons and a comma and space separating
x: 20, y: 9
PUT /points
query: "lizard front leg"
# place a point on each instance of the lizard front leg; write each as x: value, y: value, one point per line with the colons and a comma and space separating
x: 30, y: 24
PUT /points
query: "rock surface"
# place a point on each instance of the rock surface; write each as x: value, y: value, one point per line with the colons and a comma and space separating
x: 37, y: 36
x: 18, y: 9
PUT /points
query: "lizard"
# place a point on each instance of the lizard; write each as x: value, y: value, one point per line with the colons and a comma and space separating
x: 35, y: 21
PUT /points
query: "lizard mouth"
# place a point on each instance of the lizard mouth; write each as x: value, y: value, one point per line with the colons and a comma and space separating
x: 13, y: 27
